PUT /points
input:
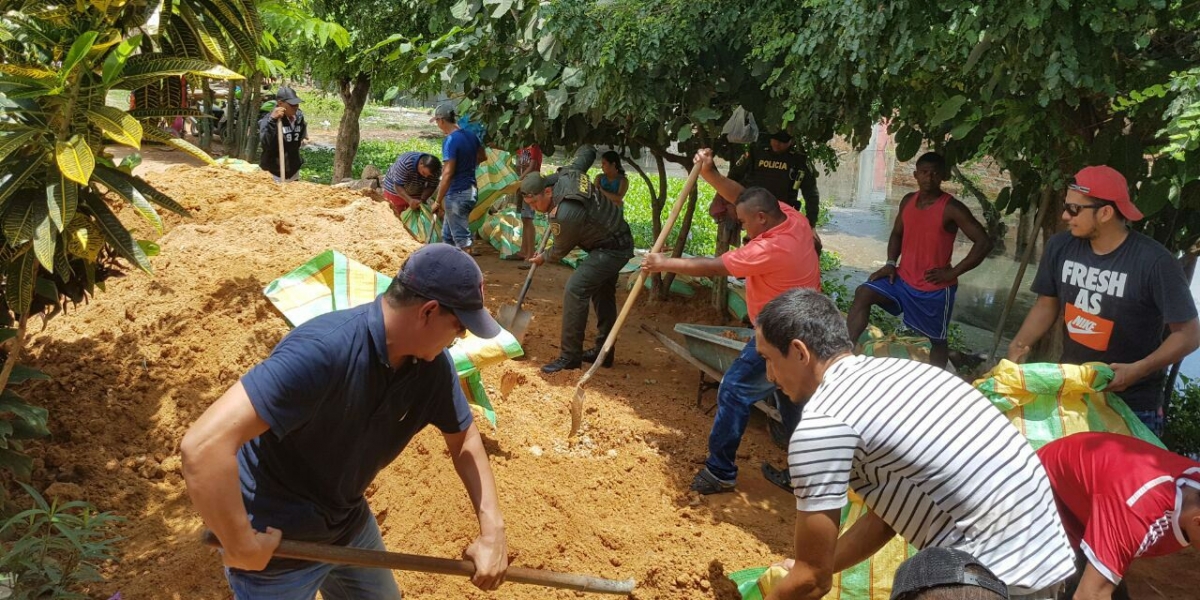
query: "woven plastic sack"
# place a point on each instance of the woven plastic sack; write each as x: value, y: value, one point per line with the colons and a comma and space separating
x: 1047, y: 401
x: 329, y: 281
x: 494, y: 178
x: 756, y: 583
x: 503, y: 231
x: 741, y: 128
x: 422, y: 224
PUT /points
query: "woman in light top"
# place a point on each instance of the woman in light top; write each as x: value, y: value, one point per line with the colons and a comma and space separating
x: 612, y: 181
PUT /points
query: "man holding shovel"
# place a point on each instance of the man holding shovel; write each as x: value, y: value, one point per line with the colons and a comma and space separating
x: 291, y: 448
x: 288, y: 116
x: 580, y: 216
x: 780, y: 256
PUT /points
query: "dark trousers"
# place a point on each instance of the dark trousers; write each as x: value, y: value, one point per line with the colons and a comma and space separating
x: 595, y: 281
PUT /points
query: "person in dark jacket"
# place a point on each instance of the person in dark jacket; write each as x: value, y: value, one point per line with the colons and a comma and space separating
x: 581, y: 216
x: 783, y: 171
x: 288, y: 115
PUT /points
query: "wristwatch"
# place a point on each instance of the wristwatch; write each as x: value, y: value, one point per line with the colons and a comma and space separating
x: 890, y: 263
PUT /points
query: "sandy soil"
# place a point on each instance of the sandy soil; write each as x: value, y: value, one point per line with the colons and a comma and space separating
x: 132, y: 370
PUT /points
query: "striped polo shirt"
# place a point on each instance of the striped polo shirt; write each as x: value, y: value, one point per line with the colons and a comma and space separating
x: 936, y: 461
x: 404, y: 171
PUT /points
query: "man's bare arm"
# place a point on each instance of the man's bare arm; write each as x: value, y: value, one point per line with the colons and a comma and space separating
x: 210, y: 470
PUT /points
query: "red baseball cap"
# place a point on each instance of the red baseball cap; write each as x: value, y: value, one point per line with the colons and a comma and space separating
x: 1105, y: 183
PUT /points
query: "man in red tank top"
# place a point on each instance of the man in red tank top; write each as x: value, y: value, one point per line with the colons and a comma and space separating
x: 922, y: 241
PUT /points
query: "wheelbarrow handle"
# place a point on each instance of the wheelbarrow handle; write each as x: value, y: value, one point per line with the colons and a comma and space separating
x: 358, y: 557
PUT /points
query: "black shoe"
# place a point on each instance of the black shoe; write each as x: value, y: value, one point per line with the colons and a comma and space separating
x: 559, y: 364
x: 589, y: 356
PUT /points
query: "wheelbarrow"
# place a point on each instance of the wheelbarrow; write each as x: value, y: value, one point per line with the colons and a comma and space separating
x: 711, y: 349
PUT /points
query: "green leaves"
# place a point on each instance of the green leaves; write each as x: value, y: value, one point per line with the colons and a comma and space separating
x: 947, y: 110
x: 75, y: 159
x: 114, y: 63
x: 18, y: 285
x: 15, y: 173
x: 117, y: 125
x: 12, y: 142
x: 115, y: 233
x: 77, y: 52
x: 121, y: 184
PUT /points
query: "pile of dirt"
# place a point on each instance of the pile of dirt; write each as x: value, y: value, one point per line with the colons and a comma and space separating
x: 132, y: 370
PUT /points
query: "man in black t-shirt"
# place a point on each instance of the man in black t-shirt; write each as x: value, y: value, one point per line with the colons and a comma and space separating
x: 1114, y: 290
x: 782, y: 171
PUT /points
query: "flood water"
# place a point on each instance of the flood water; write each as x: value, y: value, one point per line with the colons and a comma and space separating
x: 863, y: 195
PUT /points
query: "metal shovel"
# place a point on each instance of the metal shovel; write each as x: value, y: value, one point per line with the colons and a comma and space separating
x: 514, y: 318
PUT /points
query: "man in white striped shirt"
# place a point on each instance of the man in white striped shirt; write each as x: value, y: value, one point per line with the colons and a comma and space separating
x: 931, y: 457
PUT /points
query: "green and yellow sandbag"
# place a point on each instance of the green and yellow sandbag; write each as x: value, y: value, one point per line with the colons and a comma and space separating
x: 494, y: 178
x: 330, y: 281
x: 424, y: 226
x: 1045, y: 401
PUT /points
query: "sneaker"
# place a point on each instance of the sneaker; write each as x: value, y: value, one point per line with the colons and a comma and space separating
x: 561, y: 363
x: 589, y: 356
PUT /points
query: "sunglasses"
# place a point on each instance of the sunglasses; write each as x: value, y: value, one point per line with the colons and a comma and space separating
x: 1074, y: 209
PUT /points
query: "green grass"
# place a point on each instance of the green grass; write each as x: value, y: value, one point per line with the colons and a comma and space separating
x: 320, y: 106
x: 318, y: 163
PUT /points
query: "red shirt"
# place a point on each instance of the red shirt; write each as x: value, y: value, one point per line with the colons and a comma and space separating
x: 1119, y: 497
x: 926, y: 244
x: 780, y: 259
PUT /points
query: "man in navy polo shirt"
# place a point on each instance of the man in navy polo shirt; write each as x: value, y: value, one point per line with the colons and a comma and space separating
x: 291, y: 448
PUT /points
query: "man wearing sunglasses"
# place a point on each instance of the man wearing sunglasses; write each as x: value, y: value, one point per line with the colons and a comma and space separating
x: 1114, y: 290
x: 581, y: 217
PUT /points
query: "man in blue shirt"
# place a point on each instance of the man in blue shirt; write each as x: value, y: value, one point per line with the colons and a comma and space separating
x: 306, y: 431
x: 461, y: 153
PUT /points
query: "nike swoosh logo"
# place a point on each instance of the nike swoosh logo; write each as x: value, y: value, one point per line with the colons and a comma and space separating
x: 1074, y: 329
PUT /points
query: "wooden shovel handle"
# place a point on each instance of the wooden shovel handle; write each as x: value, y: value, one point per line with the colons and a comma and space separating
x: 358, y: 557
x: 532, y: 267
x: 282, y: 157
x: 641, y: 278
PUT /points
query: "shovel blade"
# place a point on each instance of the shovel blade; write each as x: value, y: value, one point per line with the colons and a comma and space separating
x: 577, y: 411
x: 515, y: 320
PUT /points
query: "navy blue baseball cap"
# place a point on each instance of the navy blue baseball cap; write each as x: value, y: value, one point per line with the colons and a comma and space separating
x: 444, y: 273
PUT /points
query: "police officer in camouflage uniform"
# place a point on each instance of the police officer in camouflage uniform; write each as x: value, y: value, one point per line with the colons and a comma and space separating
x: 581, y: 216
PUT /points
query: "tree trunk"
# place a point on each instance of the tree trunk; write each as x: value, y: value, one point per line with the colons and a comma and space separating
x: 207, y: 123
x: 354, y: 96
x: 657, y: 202
x: 681, y: 241
x: 251, y: 102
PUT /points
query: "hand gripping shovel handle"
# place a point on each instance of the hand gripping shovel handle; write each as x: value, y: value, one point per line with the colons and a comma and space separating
x: 577, y: 401
x: 532, y: 267
x: 358, y: 557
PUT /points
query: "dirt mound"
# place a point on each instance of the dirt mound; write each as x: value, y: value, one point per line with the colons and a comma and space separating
x: 132, y: 370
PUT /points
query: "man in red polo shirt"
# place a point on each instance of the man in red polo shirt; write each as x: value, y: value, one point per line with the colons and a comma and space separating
x: 780, y: 256
x: 1121, y: 498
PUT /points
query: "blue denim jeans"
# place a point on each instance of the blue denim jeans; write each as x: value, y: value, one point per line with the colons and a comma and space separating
x: 458, y: 207
x: 335, y: 582
x: 744, y: 384
x: 1153, y: 419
